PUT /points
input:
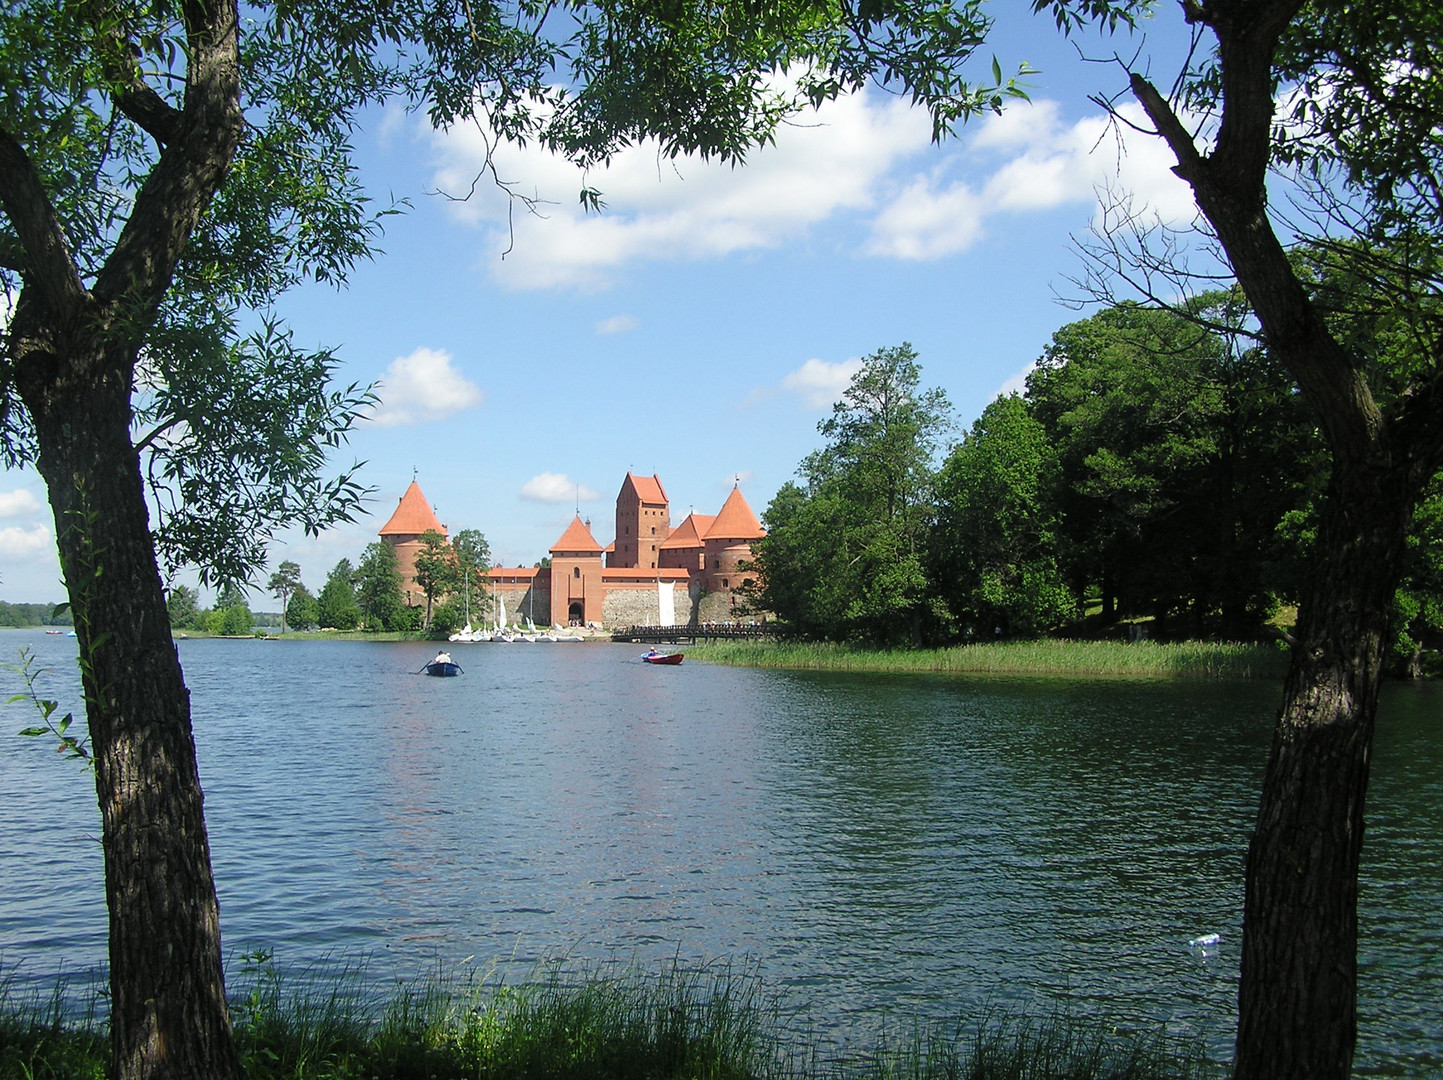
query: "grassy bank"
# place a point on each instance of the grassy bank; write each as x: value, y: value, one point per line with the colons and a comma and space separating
x: 1188, y: 659
x: 677, y: 1025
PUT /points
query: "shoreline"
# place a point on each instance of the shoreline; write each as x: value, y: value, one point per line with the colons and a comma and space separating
x: 1047, y: 657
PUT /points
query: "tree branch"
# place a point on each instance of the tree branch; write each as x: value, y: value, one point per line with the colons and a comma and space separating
x: 147, y: 110
x: 1190, y: 164
x: 47, y: 262
x: 1248, y: 33
x: 190, y: 171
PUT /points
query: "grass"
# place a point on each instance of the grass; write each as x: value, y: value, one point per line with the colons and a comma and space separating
x: 1188, y: 659
x: 48, y: 1039
x: 678, y: 1024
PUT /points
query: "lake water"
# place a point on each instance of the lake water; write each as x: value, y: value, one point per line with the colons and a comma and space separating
x: 876, y: 849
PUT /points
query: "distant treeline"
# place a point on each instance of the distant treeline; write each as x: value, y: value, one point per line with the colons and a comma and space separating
x: 32, y: 615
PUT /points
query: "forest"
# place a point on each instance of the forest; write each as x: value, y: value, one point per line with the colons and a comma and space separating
x: 1160, y: 475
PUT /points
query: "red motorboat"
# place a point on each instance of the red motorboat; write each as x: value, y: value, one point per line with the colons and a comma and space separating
x: 662, y: 658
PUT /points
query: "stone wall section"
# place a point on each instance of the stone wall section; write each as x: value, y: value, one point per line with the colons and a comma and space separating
x: 638, y: 607
x: 716, y: 607
x: 519, y: 601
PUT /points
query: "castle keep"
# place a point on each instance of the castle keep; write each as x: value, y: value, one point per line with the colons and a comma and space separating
x: 649, y: 574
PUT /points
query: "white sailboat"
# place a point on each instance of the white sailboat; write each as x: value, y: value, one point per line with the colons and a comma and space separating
x: 500, y: 634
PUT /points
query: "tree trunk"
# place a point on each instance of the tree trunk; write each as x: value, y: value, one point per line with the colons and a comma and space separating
x: 1297, y: 995
x: 168, y: 1008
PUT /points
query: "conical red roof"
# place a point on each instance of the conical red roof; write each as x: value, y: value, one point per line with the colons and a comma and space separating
x: 413, y: 516
x: 577, y: 537
x: 689, y: 533
x: 736, y: 520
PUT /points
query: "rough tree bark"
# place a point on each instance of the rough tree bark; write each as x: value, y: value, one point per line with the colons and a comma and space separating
x: 168, y: 1013
x: 74, y: 349
x: 1297, y: 994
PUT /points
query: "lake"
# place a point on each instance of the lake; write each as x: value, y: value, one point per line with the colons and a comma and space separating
x: 875, y: 849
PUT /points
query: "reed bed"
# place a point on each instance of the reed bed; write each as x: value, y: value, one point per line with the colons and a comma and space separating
x: 1143, y: 659
x: 678, y: 1024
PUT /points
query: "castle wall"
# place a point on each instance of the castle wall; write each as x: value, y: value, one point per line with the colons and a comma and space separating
x: 639, y: 607
x: 520, y: 600
x: 716, y: 607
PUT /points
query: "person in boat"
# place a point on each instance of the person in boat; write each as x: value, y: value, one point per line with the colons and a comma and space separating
x: 443, y: 657
x: 649, y: 654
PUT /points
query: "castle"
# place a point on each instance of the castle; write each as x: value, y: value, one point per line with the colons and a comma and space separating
x: 650, y: 574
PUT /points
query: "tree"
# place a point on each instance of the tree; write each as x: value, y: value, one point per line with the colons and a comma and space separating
x: 436, y: 569
x: 336, y: 606
x: 473, y: 560
x: 1180, y: 448
x: 378, y: 587
x: 302, y: 611
x: 446, y: 617
x: 1361, y: 136
x: 282, y: 584
x: 181, y: 605
x: 234, y: 617
x: 996, y: 541
x: 845, y: 556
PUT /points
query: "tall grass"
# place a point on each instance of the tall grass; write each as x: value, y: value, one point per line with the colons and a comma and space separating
x: 678, y: 1024
x: 1187, y: 659
x: 49, y: 1037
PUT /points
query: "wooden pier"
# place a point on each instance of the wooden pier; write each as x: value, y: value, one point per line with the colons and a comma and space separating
x: 688, y: 635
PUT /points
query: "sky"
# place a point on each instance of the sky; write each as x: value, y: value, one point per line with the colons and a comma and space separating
x: 702, y: 324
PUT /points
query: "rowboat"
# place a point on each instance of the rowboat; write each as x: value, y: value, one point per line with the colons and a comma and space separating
x: 671, y: 659
x: 443, y: 666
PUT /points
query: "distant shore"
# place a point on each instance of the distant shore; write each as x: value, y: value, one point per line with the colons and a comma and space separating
x: 1090, y: 659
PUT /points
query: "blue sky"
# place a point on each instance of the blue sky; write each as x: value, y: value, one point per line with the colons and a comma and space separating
x: 703, y: 323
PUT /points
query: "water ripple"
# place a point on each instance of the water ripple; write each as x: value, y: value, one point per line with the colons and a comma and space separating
x: 874, y: 846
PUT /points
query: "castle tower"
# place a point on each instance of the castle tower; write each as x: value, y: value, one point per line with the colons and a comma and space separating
x: 643, y: 522
x: 576, y: 587
x: 728, y: 542
x: 413, y: 516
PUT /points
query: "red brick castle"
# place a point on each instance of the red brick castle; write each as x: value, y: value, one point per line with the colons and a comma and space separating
x: 649, y: 574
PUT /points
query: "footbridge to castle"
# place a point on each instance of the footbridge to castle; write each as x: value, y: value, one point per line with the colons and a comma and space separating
x: 687, y: 635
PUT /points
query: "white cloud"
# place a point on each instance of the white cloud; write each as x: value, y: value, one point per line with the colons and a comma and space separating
x: 1018, y: 383
x: 820, y: 384
x: 927, y: 224
x: 421, y: 387
x: 1042, y: 163
x: 617, y: 324
x: 18, y: 503
x: 17, y: 542
x: 657, y: 209
x: 556, y: 488
x: 851, y: 158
